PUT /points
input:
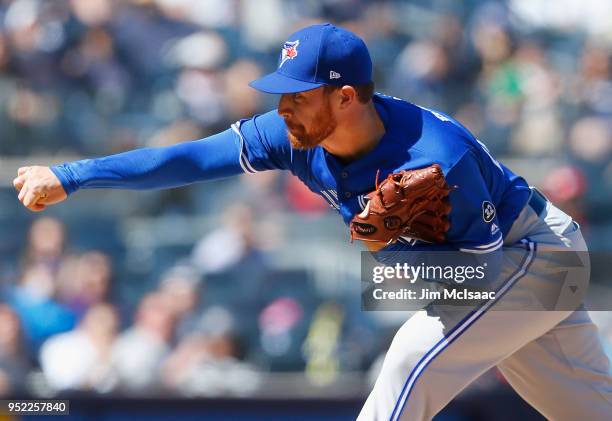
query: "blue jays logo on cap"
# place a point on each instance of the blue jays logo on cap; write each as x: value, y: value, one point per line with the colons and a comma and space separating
x: 289, y: 51
x: 328, y: 55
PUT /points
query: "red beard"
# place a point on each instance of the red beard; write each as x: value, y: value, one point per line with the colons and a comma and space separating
x: 324, y: 124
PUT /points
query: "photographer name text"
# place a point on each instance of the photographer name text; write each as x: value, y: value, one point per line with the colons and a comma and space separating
x: 428, y: 294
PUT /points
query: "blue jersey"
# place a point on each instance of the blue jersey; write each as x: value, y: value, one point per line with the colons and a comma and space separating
x: 487, y: 199
x: 485, y: 202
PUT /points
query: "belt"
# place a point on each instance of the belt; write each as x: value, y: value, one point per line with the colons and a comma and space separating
x: 537, y: 201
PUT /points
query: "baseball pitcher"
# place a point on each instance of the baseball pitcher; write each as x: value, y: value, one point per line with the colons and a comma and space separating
x: 403, y: 178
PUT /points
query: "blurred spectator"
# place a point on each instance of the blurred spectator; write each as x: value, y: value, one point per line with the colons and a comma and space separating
x: 240, y: 100
x: 200, y: 92
x: 233, y: 245
x: 40, y: 313
x: 176, y: 132
x: 210, y: 366
x: 217, y: 320
x: 565, y: 187
x: 420, y: 73
x: 321, y: 344
x: 14, y: 365
x: 93, y: 63
x: 92, y: 12
x: 498, y: 82
x: 46, y: 243
x: 302, y: 200
x: 590, y: 144
x: 84, y: 281
x: 260, y: 192
x: 591, y: 88
x: 81, y: 358
x: 279, y: 323
x: 591, y: 140
x: 139, y: 351
x: 538, y: 130
x: 181, y: 286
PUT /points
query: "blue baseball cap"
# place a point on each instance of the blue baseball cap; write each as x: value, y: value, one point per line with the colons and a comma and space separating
x: 318, y: 55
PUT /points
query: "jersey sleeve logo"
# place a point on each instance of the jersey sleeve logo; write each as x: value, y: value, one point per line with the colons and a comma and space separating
x: 494, y: 229
x: 488, y: 211
x: 289, y: 51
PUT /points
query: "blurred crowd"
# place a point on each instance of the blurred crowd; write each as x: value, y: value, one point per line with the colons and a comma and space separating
x: 208, y: 327
x: 93, y: 77
x: 218, y: 322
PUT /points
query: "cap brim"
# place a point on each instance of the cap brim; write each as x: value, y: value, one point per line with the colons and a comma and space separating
x: 276, y: 83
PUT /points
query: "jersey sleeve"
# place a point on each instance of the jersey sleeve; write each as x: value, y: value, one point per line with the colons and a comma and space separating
x: 264, y: 144
x: 213, y: 157
x: 474, y: 224
x: 250, y: 145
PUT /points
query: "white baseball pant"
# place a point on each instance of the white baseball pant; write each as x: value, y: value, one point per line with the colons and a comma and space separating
x: 553, y: 359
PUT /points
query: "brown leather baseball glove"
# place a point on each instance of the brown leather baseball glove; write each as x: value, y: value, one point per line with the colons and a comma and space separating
x: 411, y: 203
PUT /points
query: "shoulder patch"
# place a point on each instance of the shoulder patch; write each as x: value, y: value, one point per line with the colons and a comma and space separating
x: 488, y: 211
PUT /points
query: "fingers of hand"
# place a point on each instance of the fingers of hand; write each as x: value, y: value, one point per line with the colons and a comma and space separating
x: 18, y: 182
x: 22, y: 193
x: 32, y: 188
x: 22, y: 170
x: 30, y: 198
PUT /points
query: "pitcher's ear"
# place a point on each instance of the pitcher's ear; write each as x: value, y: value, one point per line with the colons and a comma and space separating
x: 347, y: 95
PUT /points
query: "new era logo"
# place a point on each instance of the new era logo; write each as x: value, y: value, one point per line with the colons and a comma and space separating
x: 334, y: 75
